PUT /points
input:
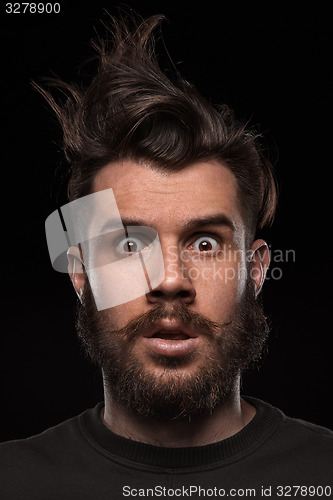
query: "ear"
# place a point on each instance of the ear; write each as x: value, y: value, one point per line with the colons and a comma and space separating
x: 76, y: 270
x: 260, y: 261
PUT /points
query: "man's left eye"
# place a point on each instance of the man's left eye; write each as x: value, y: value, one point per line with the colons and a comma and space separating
x: 205, y: 244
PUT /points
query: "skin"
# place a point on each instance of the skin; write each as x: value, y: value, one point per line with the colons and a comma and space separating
x: 168, y: 202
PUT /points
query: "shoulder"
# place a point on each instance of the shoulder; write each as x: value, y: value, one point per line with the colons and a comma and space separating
x: 302, y: 428
x: 38, y: 444
x: 306, y: 435
x: 29, y: 465
x: 295, y: 445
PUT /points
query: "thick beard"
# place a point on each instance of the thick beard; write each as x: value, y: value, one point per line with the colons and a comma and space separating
x: 234, y: 347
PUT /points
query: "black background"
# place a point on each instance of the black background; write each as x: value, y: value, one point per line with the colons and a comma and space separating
x: 274, y: 67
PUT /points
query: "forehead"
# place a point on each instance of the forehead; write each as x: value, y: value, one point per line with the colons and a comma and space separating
x: 170, y: 198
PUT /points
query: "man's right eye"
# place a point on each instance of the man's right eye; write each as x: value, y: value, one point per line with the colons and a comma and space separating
x: 130, y: 245
x: 116, y: 245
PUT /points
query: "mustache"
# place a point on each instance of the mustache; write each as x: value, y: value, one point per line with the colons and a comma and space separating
x: 189, y: 318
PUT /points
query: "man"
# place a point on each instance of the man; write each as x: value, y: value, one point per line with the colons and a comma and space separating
x: 165, y: 198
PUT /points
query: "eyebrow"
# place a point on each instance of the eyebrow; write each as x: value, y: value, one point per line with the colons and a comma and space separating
x: 210, y: 220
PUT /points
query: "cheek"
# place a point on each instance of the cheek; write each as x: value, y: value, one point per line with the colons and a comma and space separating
x: 117, y: 283
x: 219, y: 288
x: 120, y: 315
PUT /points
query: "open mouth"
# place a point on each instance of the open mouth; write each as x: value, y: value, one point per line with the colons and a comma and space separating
x: 171, y: 336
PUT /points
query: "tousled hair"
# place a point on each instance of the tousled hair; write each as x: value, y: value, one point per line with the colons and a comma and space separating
x: 132, y: 110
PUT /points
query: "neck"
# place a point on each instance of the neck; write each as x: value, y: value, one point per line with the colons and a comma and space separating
x: 224, y: 422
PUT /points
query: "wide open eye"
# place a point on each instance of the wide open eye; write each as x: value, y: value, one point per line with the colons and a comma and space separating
x: 205, y: 244
x: 137, y: 239
x: 131, y: 245
x: 116, y: 245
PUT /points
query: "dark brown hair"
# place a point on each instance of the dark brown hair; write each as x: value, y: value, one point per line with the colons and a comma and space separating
x: 130, y: 109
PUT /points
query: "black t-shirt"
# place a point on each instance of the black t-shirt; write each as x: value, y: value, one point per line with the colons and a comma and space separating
x: 81, y: 458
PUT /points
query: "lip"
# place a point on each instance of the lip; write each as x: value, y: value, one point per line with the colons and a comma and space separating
x: 170, y: 326
x: 173, y: 344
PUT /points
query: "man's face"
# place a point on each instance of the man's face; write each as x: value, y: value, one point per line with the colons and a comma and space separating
x: 170, y: 203
x: 194, y: 321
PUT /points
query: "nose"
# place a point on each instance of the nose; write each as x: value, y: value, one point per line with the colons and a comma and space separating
x: 176, y: 286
